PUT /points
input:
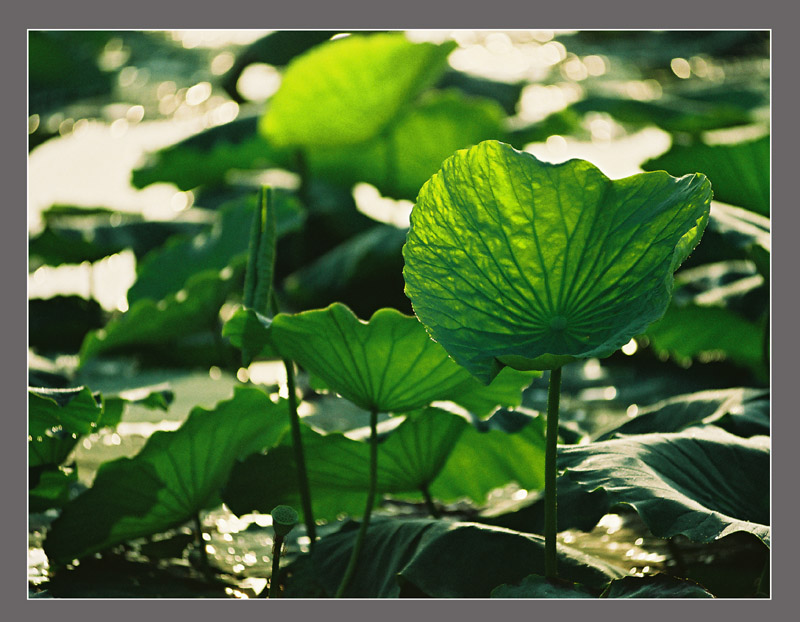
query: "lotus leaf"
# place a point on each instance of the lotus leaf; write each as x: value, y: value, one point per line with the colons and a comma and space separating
x: 513, y: 261
x: 347, y: 90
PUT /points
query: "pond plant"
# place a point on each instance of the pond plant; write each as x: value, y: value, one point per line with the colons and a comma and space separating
x: 425, y: 432
x: 511, y: 261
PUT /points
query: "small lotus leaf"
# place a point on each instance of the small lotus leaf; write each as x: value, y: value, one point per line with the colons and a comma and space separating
x: 513, y: 261
x: 388, y: 364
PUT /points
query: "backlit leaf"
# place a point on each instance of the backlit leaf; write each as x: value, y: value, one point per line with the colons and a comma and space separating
x: 388, y: 364
x: 347, y: 90
x: 512, y: 261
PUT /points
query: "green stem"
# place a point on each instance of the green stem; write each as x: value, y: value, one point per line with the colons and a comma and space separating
x: 201, y: 544
x: 277, y: 545
x: 373, y: 485
x: 550, y: 468
x: 432, y: 509
x: 299, y: 456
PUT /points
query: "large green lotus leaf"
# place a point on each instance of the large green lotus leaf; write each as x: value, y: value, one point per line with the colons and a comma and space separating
x: 513, y: 261
x: 746, y: 410
x: 388, y: 364
x: 413, y: 147
x: 739, y: 172
x: 703, y: 483
x: 174, y: 476
x: 409, y: 459
x: 165, y: 271
x: 655, y: 586
x: 348, y: 90
x: 442, y: 559
x: 150, y: 324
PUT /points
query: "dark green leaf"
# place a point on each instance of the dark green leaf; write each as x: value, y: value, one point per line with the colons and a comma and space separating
x: 512, y: 261
x: 577, y: 509
x: 443, y: 559
x: 657, y: 586
x: 703, y: 483
x: 739, y: 172
x: 346, y: 91
x: 52, y: 490
x: 363, y: 271
x: 536, y: 586
x: 338, y: 467
x: 74, y: 411
x: 431, y: 448
x: 673, y: 114
x: 167, y: 270
x: 205, y: 159
x: 248, y: 329
x: 388, y: 364
x: 719, y: 407
x: 174, y: 476
x: 192, y: 310
x: 60, y: 323
x: 505, y: 390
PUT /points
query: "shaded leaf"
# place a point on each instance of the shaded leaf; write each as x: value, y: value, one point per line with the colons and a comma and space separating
x: 205, y: 159
x: 347, y: 90
x: 577, y: 509
x: 739, y: 172
x: 703, y: 483
x: 168, y: 269
x: 74, y: 411
x: 52, y: 490
x: 673, y: 114
x: 193, y: 309
x: 536, y: 586
x: 173, y: 477
x: 442, y: 559
x: 512, y: 261
x: 60, y: 323
x: 338, y: 467
x: 363, y: 271
x: 247, y: 328
x: 388, y: 364
x: 705, y: 408
x: 432, y: 448
x: 656, y: 586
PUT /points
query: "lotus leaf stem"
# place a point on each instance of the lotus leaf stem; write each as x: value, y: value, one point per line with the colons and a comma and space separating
x: 373, y: 486
x: 550, y: 472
